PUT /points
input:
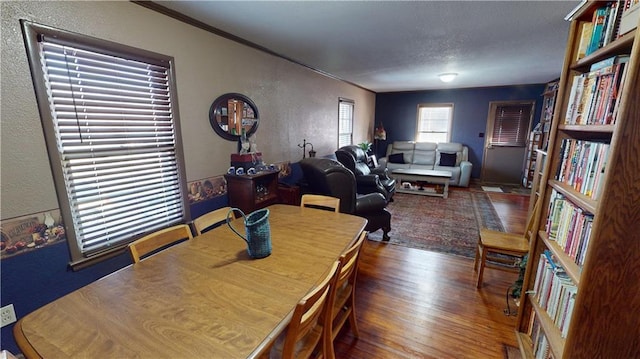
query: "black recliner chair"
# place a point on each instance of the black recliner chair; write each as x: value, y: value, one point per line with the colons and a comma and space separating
x: 369, y: 180
x: 330, y: 178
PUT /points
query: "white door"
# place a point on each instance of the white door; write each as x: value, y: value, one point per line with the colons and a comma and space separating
x: 508, y: 124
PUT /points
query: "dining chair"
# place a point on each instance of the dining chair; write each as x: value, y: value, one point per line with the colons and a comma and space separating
x: 209, y: 219
x: 305, y: 334
x: 512, y: 244
x: 318, y: 200
x: 343, y: 294
x: 154, y: 241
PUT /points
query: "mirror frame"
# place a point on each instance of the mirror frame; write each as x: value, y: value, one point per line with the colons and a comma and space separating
x: 216, y: 110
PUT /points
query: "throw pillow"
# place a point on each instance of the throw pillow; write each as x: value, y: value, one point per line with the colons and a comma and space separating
x: 396, y: 158
x: 448, y: 159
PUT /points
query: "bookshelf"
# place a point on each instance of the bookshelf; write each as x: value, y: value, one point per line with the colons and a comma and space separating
x: 538, y: 174
x: 548, y: 107
x: 538, y: 140
x: 533, y: 145
x: 582, y: 278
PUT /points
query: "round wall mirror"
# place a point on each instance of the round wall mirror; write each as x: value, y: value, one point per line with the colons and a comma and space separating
x: 232, y: 113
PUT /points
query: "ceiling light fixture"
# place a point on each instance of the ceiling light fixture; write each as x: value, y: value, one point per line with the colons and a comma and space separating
x: 447, y: 77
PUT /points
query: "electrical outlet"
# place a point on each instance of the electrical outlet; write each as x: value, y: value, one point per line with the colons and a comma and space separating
x: 7, y: 314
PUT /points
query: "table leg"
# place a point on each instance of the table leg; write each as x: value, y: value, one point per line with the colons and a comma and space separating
x: 445, y: 193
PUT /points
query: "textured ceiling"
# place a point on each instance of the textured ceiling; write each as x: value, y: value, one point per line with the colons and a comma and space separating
x: 388, y: 46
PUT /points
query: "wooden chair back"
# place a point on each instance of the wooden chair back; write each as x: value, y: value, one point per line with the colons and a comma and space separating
x: 159, y: 239
x: 349, y: 262
x: 318, y: 200
x: 306, y: 330
x: 207, y: 220
x: 344, y: 294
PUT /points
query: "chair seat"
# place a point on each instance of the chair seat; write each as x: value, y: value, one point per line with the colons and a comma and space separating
x: 503, y: 241
x: 511, y: 244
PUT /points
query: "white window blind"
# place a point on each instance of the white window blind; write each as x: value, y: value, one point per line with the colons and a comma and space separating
x: 434, y: 123
x: 345, y: 123
x: 117, y: 144
x: 511, y: 125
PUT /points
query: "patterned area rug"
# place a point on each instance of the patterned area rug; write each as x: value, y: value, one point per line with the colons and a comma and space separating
x: 442, y: 225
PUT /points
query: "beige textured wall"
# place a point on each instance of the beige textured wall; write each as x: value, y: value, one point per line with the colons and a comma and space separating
x: 294, y: 102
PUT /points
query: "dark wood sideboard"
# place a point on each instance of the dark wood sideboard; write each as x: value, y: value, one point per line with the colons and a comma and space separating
x: 252, y: 192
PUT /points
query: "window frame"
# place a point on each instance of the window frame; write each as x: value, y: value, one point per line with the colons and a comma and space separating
x: 341, y: 102
x: 524, y: 123
x: 32, y: 32
x: 434, y: 105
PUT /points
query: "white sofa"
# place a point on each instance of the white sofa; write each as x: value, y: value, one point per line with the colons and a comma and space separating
x: 427, y: 156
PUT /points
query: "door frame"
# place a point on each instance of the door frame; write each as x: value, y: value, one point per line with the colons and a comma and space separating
x: 491, y: 118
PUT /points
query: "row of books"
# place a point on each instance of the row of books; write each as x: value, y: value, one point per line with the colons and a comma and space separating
x: 569, y: 226
x: 603, y: 28
x: 593, y: 99
x: 541, y: 347
x: 582, y: 165
x: 555, y: 292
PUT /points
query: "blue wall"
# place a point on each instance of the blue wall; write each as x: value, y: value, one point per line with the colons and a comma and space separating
x: 398, y: 112
x: 35, y: 278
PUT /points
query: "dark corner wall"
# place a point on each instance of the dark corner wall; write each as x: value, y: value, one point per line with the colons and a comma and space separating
x: 397, y: 111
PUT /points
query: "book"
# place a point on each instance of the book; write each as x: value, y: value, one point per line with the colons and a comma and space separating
x: 575, y: 96
x: 586, y: 28
x: 619, y: 88
x: 598, y: 25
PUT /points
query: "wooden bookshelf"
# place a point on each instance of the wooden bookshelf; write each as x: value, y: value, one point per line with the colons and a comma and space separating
x: 538, y: 179
x: 608, y: 283
x: 538, y: 140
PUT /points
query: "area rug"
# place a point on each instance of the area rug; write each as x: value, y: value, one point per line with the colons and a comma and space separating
x: 446, y: 225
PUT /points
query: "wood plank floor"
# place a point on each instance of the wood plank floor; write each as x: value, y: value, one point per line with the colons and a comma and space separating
x: 417, y: 304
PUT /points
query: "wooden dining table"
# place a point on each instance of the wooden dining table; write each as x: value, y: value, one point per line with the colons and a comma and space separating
x: 202, y: 298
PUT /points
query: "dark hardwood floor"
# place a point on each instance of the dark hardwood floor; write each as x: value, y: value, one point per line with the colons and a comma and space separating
x: 417, y: 304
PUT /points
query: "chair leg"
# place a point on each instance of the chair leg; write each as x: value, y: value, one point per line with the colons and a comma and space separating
x: 352, y: 318
x: 327, y: 351
x: 483, y: 259
x: 475, y: 261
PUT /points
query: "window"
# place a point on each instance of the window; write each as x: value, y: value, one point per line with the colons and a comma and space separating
x: 511, y: 124
x: 434, y: 123
x: 110, y: 121
x: 345, y: 122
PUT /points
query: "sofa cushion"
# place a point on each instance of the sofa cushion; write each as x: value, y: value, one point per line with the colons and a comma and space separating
x: 448, y: 159
x: 425, y: 153
x: 396, y: 158
x: 450, y: 147
x: 404, y: 147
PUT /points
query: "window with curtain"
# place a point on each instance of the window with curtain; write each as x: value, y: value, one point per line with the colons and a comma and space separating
x: 345, y: 122
x: 511, y: 124
x: 434, y: 123
x: 112, y: 130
